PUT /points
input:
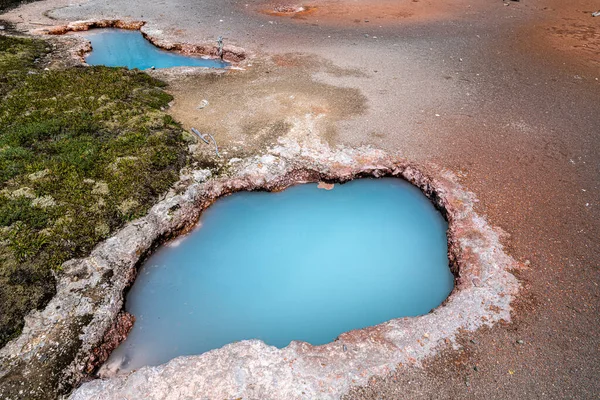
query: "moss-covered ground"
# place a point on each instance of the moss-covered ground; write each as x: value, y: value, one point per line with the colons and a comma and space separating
x: 8, y: 4
x: 82, y: 151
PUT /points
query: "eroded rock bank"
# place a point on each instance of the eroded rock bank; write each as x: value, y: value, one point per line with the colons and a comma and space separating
x: 61, y: 344
x: 230, y: 53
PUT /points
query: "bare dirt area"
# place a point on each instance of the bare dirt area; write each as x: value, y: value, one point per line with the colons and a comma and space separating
x: 383, y: 12
x: 249, y: 110
x: 505, y: 94
x: 569, y: 29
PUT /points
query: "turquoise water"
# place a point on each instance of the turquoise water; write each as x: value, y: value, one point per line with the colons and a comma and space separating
x: 122, y: 48
x: 303, y: 264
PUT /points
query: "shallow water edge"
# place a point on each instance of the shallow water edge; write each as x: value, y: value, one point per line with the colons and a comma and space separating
x: 231, y: 53
x: 302, y: 264
x: 128, y: 48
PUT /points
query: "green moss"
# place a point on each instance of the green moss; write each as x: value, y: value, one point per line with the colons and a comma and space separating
x: 17, y: 56
x: 6, y: 5
x: 82, y: 151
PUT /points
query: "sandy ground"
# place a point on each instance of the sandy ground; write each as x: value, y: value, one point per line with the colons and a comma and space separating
x: 506, y: 94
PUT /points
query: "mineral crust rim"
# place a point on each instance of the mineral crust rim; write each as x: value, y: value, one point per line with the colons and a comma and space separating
x: 231, y: 53
x: 92, y: 289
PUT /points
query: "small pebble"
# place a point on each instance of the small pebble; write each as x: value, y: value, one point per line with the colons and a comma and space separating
x: 520, y: 341
x: 202, y: 104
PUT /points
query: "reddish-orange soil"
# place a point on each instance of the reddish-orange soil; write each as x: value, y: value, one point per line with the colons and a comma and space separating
x: 567, y: 28
x: 381, y: 12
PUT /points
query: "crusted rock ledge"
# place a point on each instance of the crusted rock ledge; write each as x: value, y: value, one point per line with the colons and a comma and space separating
x: 60, y: 342
x: 231, y: 53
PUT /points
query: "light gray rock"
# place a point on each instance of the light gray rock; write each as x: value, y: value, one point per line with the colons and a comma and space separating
x: 201, y: 175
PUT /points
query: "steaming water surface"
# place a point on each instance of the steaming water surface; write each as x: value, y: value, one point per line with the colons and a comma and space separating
x: 303, y: 264
x: 122, y: 48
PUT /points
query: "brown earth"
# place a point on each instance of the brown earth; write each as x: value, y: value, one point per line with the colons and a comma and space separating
x: 276, y: 97
x: 383, y: 12
x: 569, y: 29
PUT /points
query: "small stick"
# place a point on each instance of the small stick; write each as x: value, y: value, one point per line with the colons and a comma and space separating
x: 216, y: 147
x: 199, y: 135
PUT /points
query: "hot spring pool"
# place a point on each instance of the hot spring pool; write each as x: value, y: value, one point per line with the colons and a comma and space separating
x: 303, y: 264
x: 123, y: 48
